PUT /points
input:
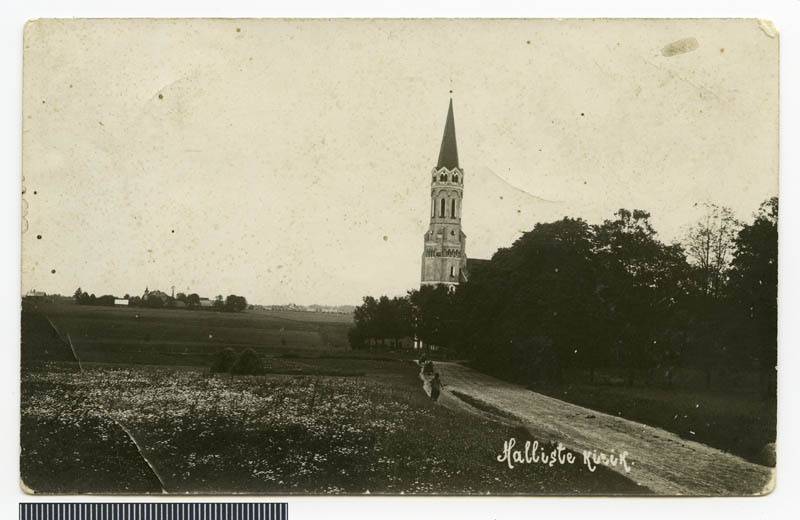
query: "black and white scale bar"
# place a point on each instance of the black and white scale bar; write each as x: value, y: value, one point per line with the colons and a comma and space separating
x: 149, y: 511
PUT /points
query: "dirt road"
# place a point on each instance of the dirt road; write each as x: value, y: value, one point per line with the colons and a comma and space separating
x: 659, y: 460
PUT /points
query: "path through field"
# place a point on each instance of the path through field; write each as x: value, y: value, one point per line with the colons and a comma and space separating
x: 660, y: 460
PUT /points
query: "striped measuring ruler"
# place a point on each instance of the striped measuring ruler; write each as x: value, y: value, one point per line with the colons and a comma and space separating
x: 150, y: 511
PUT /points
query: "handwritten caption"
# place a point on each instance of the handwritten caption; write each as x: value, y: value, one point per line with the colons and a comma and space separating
x: 534, y: 453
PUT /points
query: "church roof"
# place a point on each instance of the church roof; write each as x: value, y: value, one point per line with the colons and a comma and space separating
x: 473, y: 265
x: 448, y: 153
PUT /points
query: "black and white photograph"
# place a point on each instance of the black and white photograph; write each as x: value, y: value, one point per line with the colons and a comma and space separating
x: 399, y: 257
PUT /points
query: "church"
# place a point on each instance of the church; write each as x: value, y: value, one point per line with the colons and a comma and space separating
x: 444, y: 256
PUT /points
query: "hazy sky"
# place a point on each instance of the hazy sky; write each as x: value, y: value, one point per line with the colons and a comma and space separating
x: 289, y: 161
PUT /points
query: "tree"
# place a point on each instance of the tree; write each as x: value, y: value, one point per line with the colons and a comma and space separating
x: 355, y: 337
x: 754, y: 287
x: 379, y: 320
x: 193, y: 301
x: 641, y: 279
x: 532, y: 312
x: 432, y: 315
x: 219, y: 303
x: 235, y: 303
x: 707, y: 326
x: 248, y: 363
x: 402, y: 318
x: 393, y: 318
x: 223, y: 360
x: 83, y: 298
x: 710, y: 245
x: 364, y: 317
x: 106, y: 299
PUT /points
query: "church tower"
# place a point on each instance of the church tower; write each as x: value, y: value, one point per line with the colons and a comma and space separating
x: 444, y: 259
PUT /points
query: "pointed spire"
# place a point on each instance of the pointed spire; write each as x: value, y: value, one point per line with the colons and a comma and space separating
x: 448, y: 153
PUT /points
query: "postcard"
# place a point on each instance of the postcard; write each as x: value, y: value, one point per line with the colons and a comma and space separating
x: 399, y: 257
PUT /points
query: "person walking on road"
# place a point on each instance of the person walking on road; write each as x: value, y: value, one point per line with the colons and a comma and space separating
x: 436, y: 387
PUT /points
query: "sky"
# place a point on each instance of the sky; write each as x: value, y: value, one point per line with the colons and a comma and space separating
x: 289, y: 161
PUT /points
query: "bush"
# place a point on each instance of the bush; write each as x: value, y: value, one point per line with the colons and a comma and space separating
x: 248, y: 363
x: 224, y: 360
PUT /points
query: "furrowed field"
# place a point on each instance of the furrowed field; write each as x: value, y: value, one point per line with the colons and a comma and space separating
x: 142, y: 413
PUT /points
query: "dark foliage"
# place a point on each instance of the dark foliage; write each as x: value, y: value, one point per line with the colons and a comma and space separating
x: 224, y: 360
x: 235, y: 303
x: 248, y: 363
x: 383, y: 321
x: 84, y: 298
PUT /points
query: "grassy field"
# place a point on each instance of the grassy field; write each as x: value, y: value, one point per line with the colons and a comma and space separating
x: 738, y: 422
x: 120, y: 335
x: 118, y: 427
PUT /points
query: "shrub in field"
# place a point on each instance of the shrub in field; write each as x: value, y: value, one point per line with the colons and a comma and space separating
x: 248, y: 363
x: 224, y: 360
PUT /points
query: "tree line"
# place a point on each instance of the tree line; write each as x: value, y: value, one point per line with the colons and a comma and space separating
x: 158, y: 300
x: 568, y: 297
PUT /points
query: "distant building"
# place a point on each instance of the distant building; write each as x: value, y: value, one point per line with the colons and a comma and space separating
x: 206, y: 303
x: 121, y: 301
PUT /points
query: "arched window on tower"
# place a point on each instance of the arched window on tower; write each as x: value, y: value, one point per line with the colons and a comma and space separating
x: 455, y: 178
x: 441, y: 210
x: 433, y: 208
x: 443, y: 177
x: 453, y: 208
x: 452, y: 271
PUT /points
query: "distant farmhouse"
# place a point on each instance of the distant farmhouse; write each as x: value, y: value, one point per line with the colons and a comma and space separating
x: 42, y: 297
